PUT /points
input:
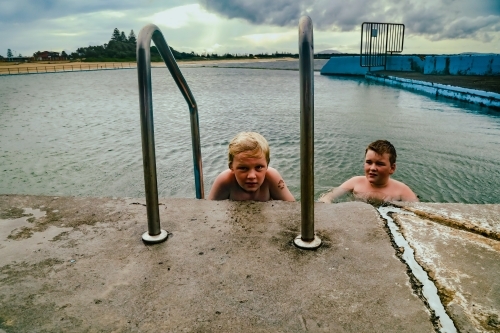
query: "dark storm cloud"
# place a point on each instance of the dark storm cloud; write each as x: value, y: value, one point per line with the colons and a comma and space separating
x: 26, y: 11
x: 436, y: 20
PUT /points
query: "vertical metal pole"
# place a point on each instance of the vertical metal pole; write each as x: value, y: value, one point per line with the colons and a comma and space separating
x: 402, y: 37
x: 307, y: 239
x: 386, y: 44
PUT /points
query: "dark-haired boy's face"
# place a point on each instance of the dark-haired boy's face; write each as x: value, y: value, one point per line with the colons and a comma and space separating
x: 378, y: 168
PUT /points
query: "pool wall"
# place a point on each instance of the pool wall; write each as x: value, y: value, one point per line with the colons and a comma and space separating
x: 435, y: 64
x: 480, y: 97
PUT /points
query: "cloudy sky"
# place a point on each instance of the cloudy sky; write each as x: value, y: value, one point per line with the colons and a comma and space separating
x: 249, y: 26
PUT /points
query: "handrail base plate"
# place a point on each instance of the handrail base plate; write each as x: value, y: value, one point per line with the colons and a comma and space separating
x: 147, y: 238
x: 312, y: 245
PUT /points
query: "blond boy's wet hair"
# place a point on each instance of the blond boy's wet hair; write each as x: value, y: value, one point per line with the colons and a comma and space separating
x: 250, y: 142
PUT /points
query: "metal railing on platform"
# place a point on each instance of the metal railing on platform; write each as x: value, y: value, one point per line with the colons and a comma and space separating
x: 148, y: 33
x: 378, y: 40
x: 307, y: 238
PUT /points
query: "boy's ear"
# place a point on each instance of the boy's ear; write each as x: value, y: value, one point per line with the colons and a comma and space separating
x: 393, y: 168
x: 231, y: 166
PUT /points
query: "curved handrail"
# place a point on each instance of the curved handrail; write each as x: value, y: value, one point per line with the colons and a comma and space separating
x: 148, y: 33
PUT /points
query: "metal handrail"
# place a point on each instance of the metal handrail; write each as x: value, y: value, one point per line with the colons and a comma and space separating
x: 379, y: 39
x: 148, y: 33
x: 307, y: 239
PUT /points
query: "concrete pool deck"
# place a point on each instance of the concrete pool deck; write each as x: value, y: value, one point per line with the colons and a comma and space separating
x: 71, y: 264
x: 477, y: 89
x: 490, y: 83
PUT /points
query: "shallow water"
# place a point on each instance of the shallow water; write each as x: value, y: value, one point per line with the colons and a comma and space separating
x: 79, y: 133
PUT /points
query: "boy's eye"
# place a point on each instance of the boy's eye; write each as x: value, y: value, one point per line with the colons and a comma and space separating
x: 260, y: 167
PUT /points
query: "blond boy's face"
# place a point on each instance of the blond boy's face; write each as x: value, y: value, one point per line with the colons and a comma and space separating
x: 378, y: 168
x: 249, y: 170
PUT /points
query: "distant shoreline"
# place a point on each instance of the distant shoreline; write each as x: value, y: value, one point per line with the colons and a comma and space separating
x: 4, y: 66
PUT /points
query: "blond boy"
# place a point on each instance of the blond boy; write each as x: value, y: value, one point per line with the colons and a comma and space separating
x: 376, y: 185
x: 249, y: 176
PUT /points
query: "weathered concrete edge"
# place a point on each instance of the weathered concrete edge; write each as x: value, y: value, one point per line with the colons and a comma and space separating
x: 101, y: 243
x: 480, y: 97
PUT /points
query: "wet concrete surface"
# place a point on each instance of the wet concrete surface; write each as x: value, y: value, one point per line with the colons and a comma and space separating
x: 479, y: 82
x: 80, y: 265
x: 463, y: 262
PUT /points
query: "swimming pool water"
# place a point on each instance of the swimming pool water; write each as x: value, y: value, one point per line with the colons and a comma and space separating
x: 79, y: 133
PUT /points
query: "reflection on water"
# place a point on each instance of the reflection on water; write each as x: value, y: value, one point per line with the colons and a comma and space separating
x: 79, y: 133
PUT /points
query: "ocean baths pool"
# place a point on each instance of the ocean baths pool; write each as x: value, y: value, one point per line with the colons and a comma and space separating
x: 78, y: 134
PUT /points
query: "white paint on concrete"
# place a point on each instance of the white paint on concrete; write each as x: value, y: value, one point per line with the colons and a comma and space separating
x: 429, y: 290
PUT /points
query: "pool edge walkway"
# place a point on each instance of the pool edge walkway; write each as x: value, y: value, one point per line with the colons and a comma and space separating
x: 75, y: 264
x: 464, y: 88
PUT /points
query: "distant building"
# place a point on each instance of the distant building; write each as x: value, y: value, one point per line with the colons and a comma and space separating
x: 48, y: 56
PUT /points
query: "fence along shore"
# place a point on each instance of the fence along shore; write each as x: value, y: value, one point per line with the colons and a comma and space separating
x: 57, y: 68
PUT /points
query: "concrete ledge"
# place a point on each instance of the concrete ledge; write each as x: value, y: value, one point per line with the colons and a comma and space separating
x: 479, y: 97
x: 463, y: 263
x: 78, y: 264
x: 350, y: 65
x: 472, y: 64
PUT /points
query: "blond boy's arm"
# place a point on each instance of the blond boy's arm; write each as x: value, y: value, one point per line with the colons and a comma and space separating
x: 220, y: 187
x: 277, y: 186
x: 337, y: 192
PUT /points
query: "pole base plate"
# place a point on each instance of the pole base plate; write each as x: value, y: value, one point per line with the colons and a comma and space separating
x: 147, y: 238
x: 312, y: 245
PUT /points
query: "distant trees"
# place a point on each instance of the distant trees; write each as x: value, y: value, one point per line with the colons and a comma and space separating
x: 131, y: 37
x: 116, y: 35
x: 122, y: 48
x: 9, y: 53
x: 119, y: 36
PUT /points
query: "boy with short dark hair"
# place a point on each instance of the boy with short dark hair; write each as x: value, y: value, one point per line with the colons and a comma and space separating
x: 376, y: 184
x: 249, y: 177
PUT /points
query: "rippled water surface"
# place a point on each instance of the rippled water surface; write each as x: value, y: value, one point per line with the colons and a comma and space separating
x: 79, y: 133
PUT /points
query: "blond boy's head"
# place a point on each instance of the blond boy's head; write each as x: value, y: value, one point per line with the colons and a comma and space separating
x: 251, y: 143
x: 381, y: 147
